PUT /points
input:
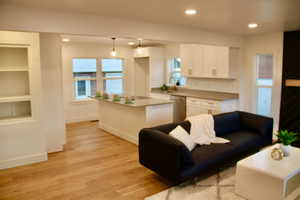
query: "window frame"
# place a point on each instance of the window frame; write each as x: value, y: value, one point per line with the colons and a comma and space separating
x: 102, y: 78
x: 74, y: 80
x: 256, y: 85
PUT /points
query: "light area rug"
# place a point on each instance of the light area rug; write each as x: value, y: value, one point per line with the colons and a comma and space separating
x: 220, y: 186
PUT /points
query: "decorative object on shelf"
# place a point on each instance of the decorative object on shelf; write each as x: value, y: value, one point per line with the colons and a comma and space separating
x: 105, y: 96
x: 116, y: 98
x: 98, y: 94
x: 277, y: 154
x: 113, y: 52
x: 286, y: 138
x: 164, y: 87
x: 128, y: 100
x: 177, y: 83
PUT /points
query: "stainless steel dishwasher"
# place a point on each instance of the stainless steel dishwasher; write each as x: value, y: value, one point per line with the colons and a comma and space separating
x: 179, y: 111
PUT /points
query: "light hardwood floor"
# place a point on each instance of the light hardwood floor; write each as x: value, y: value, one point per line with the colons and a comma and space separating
x: 94, y: 165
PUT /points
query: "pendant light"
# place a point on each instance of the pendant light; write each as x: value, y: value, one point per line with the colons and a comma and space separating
x: 139, y: 49
x: 113, y: 52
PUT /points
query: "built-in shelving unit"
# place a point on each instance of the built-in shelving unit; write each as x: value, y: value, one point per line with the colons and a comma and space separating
x: 15, y: 99
x: 22, y: 132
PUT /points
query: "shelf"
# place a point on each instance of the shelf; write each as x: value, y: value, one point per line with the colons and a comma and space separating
x: 15, y: 99
x: 14, y: 68
x: 292, y: 83
x: 4, y: 120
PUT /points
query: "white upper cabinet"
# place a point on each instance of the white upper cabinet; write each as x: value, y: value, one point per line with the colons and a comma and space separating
x: 205, y: 61
x: 192, y: 64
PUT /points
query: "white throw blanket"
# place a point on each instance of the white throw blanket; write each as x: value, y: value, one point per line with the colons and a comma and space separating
x: 202, y: 130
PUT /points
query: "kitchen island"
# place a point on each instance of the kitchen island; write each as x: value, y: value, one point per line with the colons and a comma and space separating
x: 126, y: 120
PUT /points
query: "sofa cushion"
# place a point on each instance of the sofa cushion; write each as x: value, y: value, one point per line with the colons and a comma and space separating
x: 208, y: 154
x: 226, y: 123
x: 180, y: 134
x: 244, y: 140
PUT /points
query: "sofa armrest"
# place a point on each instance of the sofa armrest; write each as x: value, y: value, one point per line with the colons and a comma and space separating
x: 260, y: 124
x: 163, y: 154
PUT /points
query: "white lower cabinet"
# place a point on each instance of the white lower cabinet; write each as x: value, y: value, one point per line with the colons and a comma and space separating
x: 196, y: 106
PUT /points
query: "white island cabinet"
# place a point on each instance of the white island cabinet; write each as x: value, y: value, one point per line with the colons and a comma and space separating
x: 126, y: 120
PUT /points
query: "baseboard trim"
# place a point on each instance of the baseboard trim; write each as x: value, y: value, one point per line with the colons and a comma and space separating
x: 24, y: 160
x: 113, y: 131
x: 58, y: 148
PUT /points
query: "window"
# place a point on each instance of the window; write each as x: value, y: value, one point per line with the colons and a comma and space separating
x: 175, y: 72
x: 112, y: 75
x: 264, y: 84
x: 84, y: 74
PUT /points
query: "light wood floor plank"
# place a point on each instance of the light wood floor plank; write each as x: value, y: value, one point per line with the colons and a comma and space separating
x: 94, y: 165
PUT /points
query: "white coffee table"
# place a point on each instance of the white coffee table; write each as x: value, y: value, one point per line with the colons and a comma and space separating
x: 259, y: 177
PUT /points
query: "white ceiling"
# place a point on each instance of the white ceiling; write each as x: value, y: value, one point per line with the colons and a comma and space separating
x: 108, y: 40
x: 229, y: 16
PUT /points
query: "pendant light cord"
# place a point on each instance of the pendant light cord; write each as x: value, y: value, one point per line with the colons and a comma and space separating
x: 114, y: 45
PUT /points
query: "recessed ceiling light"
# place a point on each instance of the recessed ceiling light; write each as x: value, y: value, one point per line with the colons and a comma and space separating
x: 191, y: 12
x: 131, y: 43
x: 66, y: 40
x: 252, y: 25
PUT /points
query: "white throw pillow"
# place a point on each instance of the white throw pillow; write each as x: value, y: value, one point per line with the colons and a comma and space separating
x: 180, y: 134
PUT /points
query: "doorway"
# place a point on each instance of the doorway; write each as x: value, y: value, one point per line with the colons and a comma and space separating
x: 264, y: 84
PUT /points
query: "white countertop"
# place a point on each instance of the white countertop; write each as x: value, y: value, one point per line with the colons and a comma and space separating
x: 139, y: 102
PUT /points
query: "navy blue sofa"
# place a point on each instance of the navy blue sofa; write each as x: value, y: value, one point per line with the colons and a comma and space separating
x: 171, y: 159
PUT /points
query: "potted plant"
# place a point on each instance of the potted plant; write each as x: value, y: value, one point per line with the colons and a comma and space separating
x: 116, y: 98
x: 105, y: 96
x: 286, y: 138
x: 98, y: 94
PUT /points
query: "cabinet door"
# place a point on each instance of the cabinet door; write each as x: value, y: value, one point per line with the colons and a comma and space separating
x: 222, y: 62
x: 194, y: 107
x: 198, y: 69
x: 209, y: 61
x: 187, y: 59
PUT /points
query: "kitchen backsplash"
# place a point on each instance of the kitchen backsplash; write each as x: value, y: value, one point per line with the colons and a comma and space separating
x: 219, y: 85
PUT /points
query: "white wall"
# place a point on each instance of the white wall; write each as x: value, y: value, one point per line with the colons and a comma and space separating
x: 53, y: 109
x: 87, y: 110
x: 261, y: 44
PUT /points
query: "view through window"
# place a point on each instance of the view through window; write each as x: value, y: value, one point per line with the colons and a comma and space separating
x: 84, y: 74
x: 175, y: 72
x: 112, y: 75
